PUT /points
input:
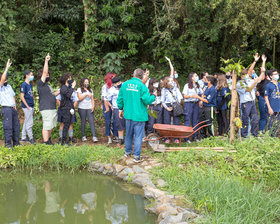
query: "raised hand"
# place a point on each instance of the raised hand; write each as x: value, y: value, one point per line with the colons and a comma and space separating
x: 168, y: 59
x: 256, y: 57
x: 9, y: 63
x: 264, y: 57
x: 48, y: 57
x: 262, y: 70
x: 147, y: 72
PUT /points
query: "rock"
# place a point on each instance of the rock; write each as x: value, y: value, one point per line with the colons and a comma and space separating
x: 166, y: 208
x: 101, y: 168
x: 161, y: 183
x: 181, y: 166
x: 126, y: 172
x: 138, y: 169
x: 118, y: 168
x: 129, y: 161
x: 145, y: 163
x: 188, y: 215
x: 148, y: 167
x: 142, y: 180
x: 172, y: 219
x: 151, y: 192
x: 105, y: 172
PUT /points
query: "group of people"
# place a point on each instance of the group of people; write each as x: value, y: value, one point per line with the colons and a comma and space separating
x: 126, y: 105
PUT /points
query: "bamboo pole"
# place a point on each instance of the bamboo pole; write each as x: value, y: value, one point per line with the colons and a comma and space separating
x: 234, y: 100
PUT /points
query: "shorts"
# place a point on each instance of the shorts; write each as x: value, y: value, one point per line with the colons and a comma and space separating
x: 49, y: 119
x: 60, y: 117
x: 120, y: 123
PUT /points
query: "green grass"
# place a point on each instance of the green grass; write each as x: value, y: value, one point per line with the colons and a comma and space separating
x: 57, y: 156
x: 241, y: 187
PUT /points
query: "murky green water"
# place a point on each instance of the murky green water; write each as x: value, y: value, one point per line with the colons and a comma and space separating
x: 64, y: 198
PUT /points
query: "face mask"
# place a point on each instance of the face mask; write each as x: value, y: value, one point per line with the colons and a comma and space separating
x: 5, y: 83
x: 86, y: 85
x: 47, y: 79
x: 196, y: 79
x: 31, y: 78
x: 70, y: 82
x: 176, y: 75
x: 155, y: 85
x: 119, y: 86
x: 276, y: 77
x: 254, y: 75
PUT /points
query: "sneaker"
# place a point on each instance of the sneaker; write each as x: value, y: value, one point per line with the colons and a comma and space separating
x: 84, y: 138
x: 109, y: 140
x: 167, y: 141
x: 115, y: 139
x: 94, y: 139
x: 188, y: 141
x: 32, y: 141
x: 121, y: 141
x: 138, y: 159
x: 24, y: 140
x: 73, y: 140
x: 177, y: 141
x: 127, y: 155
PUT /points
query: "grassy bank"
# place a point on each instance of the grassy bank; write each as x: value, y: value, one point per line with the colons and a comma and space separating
x: 241, y: 187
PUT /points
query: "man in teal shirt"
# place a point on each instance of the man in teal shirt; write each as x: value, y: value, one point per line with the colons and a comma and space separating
x: 133, y: 99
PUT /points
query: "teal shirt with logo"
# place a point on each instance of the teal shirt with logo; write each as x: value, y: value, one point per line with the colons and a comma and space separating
x: 133, y: 99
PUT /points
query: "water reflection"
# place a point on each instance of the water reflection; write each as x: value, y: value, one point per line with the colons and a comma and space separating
x: 80, y: 198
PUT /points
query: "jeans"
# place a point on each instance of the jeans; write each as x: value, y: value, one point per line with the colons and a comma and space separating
x: 263, y: 113
x: 84, y: 114
x: 134, y: 129
x: 249, y: 113
x: 108, y: 122
x: 191, y: 116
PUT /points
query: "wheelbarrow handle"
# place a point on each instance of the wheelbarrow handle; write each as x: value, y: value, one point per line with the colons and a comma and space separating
x: 202, y: 122
x: 203, y: 126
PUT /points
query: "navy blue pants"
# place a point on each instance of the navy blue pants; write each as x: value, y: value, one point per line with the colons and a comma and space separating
x: 249, y: 110
x: 167, y: 116
x: 263, y: 113
x: 222, y: 121
x: 120, y: 123
x: 11, y: 126
x: 191, y: 115
x: 108, y: 122
x: 273, y: 122
x: 152, y: 120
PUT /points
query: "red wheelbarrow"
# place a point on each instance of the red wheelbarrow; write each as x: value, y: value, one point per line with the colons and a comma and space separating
x: 173, y: 131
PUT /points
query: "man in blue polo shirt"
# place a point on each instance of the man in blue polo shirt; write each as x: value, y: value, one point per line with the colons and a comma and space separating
x: 246, y: 89
x: 11, y: 124
x: 27, y: 104
x: 272, y: 99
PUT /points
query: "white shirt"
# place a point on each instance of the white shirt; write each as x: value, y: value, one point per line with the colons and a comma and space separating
x: 86, y: 102
x: 104, y: 91
x: 7, y: 96
x: 187, y: 91
x: 167, y: 97
x: 241, y: 89
x: 112, y: 95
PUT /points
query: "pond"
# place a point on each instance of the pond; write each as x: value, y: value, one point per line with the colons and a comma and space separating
x: 79, y: 198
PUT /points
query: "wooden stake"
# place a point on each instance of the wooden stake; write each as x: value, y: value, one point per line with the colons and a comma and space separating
x: 234, y: 100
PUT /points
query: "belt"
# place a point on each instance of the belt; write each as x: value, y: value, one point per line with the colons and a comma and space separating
x: 249, y: 102
x: 8, y: 107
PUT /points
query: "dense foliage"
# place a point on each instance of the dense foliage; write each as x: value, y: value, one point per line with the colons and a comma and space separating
x: 121, y: 35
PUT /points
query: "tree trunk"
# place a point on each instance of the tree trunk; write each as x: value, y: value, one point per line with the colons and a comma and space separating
x: 85, y: 14
x: 234, y: 101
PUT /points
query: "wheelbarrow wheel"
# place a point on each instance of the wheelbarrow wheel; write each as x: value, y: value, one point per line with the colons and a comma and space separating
x: 152, y: 140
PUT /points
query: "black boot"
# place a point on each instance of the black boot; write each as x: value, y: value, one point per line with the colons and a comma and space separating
x: 49, y: 142
x: 121, y: 141
x: 73, y: 140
